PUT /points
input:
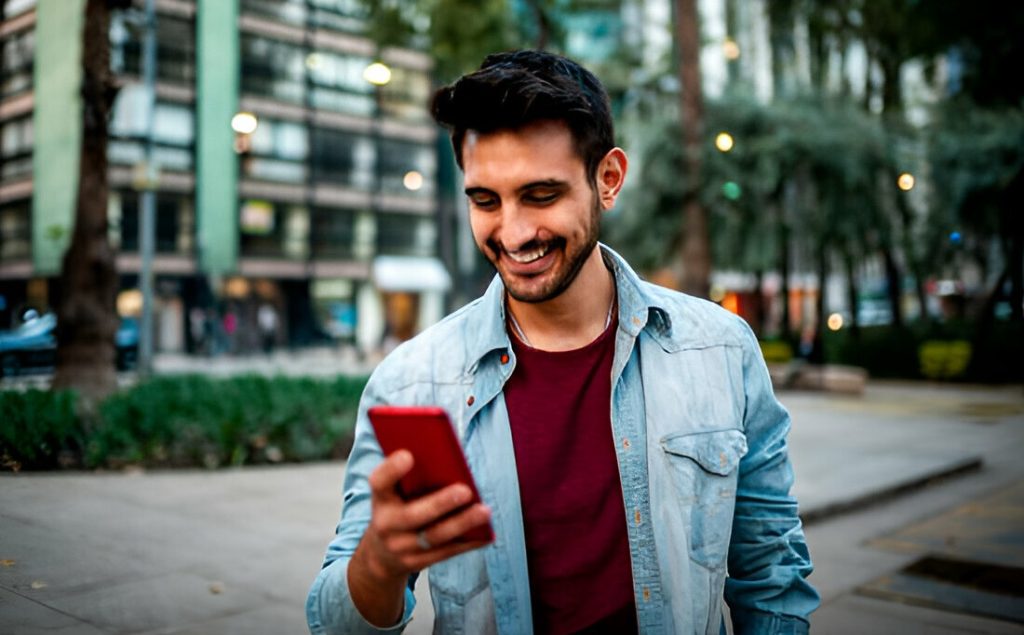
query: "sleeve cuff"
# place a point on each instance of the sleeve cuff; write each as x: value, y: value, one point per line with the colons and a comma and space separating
x: 760, y: 623
x: 330, y: 610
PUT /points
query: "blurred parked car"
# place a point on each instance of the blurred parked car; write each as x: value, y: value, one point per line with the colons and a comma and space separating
x: 33, y: 345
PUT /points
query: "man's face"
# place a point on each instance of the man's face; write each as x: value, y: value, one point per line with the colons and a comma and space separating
x: 533, y: 212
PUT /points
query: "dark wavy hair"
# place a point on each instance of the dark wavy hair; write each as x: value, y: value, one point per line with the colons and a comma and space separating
x: 513, y: 89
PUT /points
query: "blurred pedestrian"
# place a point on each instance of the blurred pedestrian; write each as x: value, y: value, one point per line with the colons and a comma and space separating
x: 266, y: 318
x: 608, y: 519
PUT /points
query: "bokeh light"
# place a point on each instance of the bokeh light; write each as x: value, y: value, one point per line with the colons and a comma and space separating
x: 731, y: 49
x: 412, y: 180
x: 835, y: 322
x: 244, y: 123
x: 905, y: 181
x: 724, y: 141
x: 377, y: 74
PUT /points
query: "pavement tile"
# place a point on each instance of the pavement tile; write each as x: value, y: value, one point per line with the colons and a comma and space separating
x: 143, y: 606
x: 275, y: 619
x: 23, y: 616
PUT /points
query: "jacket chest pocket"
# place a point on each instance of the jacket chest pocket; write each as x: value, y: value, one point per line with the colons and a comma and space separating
x: 703, y: 468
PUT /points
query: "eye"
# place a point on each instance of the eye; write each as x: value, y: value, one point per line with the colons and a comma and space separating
x: 483, y: 201
x: 541, y: 198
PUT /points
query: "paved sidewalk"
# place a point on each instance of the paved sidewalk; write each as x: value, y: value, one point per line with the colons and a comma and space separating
x: 234, y: 551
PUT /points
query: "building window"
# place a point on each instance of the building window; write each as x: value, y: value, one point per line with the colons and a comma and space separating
x: 405, y: 235
x: 340, y: 15
x: 406, y: 96
x: 333, y: 234
x: 15, y: 231
x: 288, y: 11
x: 173, y: 131
x: 338, y: 84
x: 399, y: 159
x: 175, y: 48
x: 273, y: 69
x: 16, y: 148
x: 171, y: 211
x: 16, y: 69
x: 343, y: 158
x: 278, y: 152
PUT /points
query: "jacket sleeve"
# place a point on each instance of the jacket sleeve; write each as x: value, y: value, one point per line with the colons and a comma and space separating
x: 767, y: 590
x: 329, y: 606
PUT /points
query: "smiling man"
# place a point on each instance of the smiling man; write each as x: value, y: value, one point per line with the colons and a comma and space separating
x: 627, y: 445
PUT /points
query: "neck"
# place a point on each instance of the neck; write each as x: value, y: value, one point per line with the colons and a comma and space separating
x: 576, y: 317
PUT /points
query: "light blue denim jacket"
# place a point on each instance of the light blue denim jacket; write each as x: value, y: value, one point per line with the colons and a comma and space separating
x: 701, y: 446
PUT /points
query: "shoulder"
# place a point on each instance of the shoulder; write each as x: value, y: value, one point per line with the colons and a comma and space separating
x: 437, y: 355
x: 697, y: 323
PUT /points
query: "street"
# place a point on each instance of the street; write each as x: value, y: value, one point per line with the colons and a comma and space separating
x: 884, y: 478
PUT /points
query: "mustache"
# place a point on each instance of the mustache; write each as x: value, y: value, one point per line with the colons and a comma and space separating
x: 497, y: 248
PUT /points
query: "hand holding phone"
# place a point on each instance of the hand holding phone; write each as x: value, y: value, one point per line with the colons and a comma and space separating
x: 438, y: 460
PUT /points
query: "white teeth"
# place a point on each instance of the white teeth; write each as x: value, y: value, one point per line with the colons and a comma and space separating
x: 525, y: 257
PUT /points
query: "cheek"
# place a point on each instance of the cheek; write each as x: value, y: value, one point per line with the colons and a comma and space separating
x: 482, y: 226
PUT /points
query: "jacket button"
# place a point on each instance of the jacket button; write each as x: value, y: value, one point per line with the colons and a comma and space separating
x: 504, y: 358
x: 469, y: 402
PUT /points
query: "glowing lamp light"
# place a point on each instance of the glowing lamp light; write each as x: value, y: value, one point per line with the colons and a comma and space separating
x: 412, y: 180
x: 244, y: 123
x: 956, y: 238
x: 731, y: 49
x: 835, y: 322
x: 905, y: 181
x: 377, y: 74
x: 724, y: 141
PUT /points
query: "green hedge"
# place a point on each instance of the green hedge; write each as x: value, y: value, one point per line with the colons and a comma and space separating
x: 186, y: 420
x: 958, y: 351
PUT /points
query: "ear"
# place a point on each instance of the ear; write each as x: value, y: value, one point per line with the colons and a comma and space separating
x: 611, y: 174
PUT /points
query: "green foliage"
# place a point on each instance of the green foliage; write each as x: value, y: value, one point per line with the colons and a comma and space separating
x: 830, y: 153
x: 185, y: 421
x: 38, y: 429
x: 958, y: 351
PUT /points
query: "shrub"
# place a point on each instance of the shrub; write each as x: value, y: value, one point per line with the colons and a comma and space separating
x: 38, y: 429
x: 187, y: 420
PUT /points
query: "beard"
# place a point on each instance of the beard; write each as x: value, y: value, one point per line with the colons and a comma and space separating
x: 565, y: 274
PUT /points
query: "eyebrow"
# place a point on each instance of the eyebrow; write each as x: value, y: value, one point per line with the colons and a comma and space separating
x: 532, y: 185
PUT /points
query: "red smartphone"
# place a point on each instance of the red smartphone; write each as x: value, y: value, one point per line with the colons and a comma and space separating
x: 426, y: 432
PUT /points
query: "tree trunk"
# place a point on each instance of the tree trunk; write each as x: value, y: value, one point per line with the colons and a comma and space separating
x: 696, y: 249
x: 894, y: 281
x: 87, y: 319
x: 817, y: 355
x: 852, y: 295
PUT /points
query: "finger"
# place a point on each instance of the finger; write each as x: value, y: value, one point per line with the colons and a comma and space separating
x: 426, y: 510
x: 385, y: 476
x: 458, y: 525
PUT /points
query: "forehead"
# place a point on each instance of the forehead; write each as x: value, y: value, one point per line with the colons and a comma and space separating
x: 538, y: 151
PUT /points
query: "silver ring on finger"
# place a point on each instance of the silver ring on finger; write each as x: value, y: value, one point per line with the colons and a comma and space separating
x: 421, y: 540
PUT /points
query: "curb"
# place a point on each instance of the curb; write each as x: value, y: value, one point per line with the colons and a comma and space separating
x: 830, y: 510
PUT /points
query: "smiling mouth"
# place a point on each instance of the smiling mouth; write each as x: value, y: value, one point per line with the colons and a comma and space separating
x: 526, y: 256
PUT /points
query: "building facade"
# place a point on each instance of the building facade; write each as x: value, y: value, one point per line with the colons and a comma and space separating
x: 319, y: 201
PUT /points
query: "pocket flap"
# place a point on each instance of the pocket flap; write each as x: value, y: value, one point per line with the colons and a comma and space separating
x: 718, y: 452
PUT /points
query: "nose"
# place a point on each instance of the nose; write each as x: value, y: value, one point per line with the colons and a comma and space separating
x: 518, y: 227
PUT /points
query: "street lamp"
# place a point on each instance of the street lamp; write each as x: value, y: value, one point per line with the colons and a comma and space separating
x: 244, y: 124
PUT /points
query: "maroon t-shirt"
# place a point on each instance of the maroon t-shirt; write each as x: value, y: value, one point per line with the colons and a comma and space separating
x: 559, y: 406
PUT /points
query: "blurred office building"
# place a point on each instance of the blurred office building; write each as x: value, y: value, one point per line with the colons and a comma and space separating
x: 293, y: 162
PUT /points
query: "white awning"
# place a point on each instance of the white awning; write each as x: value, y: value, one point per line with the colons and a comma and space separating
x: 410, y: 273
